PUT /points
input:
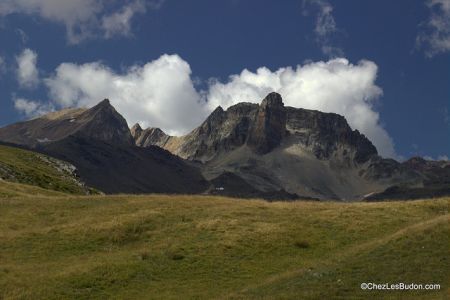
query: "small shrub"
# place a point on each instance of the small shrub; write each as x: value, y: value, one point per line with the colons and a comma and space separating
x: 144, y: 255
x: 302, y: 244
x: 177, y: 256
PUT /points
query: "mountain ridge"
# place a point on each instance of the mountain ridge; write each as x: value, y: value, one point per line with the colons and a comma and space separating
x: 98, y: 142
x: 249, y: 150
x: 260, y: 143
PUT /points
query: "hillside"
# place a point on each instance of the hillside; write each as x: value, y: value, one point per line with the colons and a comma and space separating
x: 28, y: 167
x: 98, y: 142
x: 203, y: 247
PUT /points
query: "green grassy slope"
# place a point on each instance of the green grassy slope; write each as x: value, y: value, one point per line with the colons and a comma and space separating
x: 198, y: 247
x: 22, y: 166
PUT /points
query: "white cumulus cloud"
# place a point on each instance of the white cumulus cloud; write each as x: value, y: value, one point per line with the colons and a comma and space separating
x: 162, y: 93
x: 434, y: 36
x: 325, y: 26
x: 119, y: 23
x: 82, y: 18
x: 32, y: 108
x: 27, y: 72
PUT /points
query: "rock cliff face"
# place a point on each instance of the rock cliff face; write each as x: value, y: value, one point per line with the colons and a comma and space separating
x: 328, y: 134
x: 149, y: 136
x: 104, y: 123
x: 263, y: 128
x: 269, y: 125
x: 278, y: 150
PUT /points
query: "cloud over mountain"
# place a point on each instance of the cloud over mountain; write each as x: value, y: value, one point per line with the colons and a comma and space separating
x: 333, y: 86
x: 161, y: 93
x: 32, y: 108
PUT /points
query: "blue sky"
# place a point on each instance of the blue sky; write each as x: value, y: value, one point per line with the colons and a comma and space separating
x: 384, y: 65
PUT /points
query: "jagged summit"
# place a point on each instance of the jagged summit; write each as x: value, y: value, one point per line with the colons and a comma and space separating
x: 269, y: 126
x: 136, y: 131
x: 104, y: 102
x: 101, y: 122
x: 284, y: 150
x: 248, y: 150
x: 262, y: 128
x: 272, y: 99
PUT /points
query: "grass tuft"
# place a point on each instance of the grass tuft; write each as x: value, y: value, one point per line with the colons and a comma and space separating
x: 302, y: 244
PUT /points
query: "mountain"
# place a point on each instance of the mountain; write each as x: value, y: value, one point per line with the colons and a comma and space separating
x: 264, y: 150
x: 272, y: 148
x: 102, y: 123
x: 435, y: 181
x: 98, y: 142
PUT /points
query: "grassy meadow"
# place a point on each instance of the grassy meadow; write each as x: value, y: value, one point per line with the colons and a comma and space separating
x: 60, y: 246
x: 28, y: 167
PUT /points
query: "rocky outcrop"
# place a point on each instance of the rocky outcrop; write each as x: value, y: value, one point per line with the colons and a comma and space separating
x: 136, y: 131
x: 263, y: 128
x: 271, y: 148
x: 269, y: 125
x: 221, y: 132
x: 328, y: 134
x: 151, y: 136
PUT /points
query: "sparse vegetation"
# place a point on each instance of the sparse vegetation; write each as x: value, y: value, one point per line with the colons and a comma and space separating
x: 302, y: 244
x: 56, y: 246
x: 22, y: 166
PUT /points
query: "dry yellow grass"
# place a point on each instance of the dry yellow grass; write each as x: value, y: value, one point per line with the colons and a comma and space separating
x: 57, y: 246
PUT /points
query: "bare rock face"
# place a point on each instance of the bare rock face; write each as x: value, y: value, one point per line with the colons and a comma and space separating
x: 269, y: 148
x: 221, y: 132
x: 151, y: 136
x: 136, y: 131
x: 328, y: 134
x: 269, y: 126
x: 263, y: 128
x: 104, y: 123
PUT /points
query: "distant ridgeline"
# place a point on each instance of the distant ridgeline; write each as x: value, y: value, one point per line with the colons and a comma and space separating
x: 249, y: 150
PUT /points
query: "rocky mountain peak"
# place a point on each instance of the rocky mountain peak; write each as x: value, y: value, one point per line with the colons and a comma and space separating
x: 136, y: 131
x: 150, y: 136
x: 272, y: 100
x: 104, y: 102
x: 102, y: 122
x: 262, y: 128
x: 269, y: 126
